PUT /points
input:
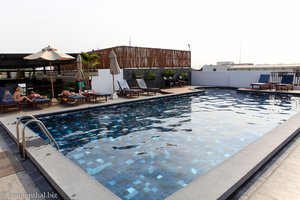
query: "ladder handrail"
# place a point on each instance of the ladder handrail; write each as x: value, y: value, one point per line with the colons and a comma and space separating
x: 18, y: 131
x: 43, y: 129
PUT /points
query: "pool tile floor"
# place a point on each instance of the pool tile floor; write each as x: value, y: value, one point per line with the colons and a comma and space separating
x: 14, y: 180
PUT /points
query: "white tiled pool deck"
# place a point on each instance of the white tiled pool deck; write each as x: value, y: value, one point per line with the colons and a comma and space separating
x: 281, y: 181
x: 16, y: 183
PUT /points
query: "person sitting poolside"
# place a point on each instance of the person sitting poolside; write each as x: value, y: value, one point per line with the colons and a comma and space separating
x: 18, y: 97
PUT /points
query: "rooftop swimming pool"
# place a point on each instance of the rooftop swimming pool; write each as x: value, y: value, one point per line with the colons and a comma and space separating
x: 150, y: 149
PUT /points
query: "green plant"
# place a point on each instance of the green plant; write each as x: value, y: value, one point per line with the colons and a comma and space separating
x: 138, y: 74
x: 89, y: 61
x: 183, y: 74
x: 71, y: 89
x: 169, y: 73
x: 20, y: 74
x: 150, y: 75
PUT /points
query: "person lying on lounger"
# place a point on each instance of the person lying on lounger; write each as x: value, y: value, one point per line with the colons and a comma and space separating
x: 67, y: 93
x: 71, y: 97
x: 35, y: 95
x: 18, y: 97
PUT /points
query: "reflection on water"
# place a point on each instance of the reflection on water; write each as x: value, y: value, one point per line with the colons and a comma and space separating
x: 274, y: 104
x: 295, y: 101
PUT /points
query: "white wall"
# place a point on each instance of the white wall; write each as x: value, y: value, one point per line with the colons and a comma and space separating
x: 210, y: 68
x: 226, y: 79
x: 103, y: 82
x: 210, y: 78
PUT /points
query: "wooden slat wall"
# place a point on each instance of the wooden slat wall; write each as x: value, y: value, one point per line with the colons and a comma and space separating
x: 140, y: 57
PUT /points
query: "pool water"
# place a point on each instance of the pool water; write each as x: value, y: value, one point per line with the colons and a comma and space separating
x: 150, y: 149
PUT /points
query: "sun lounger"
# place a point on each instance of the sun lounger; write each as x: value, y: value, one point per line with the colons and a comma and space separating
x: 263, y: 82
x: 94, y: 96
x: 72, y: 99
x: 286, y: 83
x: 8, y: 102
x: 142, y: 85
x: 39, y: 101
x: 126, y: 90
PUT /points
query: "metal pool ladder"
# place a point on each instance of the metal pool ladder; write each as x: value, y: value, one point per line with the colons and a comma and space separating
x: 40, y: 125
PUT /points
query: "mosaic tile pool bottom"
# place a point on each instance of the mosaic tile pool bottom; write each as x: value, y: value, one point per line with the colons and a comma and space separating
x: 149, y: 150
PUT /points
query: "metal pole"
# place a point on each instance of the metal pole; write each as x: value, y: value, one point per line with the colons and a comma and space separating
x: 43, y: 128
x: 51, y: 78
x: 113, y: 83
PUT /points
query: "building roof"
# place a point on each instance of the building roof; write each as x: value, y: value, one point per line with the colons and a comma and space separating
x: 16, y: 60
x: 128, y: 56
x: 264, y: 66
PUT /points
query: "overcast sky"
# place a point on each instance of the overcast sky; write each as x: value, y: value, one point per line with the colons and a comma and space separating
x: 266, y: 31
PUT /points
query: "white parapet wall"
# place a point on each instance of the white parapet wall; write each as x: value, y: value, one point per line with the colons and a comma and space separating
x: 103, y: 82
x: 226, y: 78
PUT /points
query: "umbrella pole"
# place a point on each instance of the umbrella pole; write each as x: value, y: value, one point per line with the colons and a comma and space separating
x: 51, y: 78
x: 113, y: 83
x: 114, y: 94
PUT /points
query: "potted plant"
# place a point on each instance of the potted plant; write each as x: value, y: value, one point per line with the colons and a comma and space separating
x: 90, y: 62
x: 20, y: 74
x: 150, y: 75
x: 168, y: 76
x: 183, y: 75
x: 169, y: 73
x: 138, y: 74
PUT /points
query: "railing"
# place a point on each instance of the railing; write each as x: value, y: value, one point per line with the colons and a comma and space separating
x: 277, y: 76
x: 18, y: 130
x: 40, y: 125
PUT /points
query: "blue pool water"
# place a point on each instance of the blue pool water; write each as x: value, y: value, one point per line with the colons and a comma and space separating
x: 150, y: 149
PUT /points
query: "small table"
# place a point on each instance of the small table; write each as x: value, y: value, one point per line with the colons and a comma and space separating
x: 181, y: 83
x: 280, y: 86
x: 273, y: 85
